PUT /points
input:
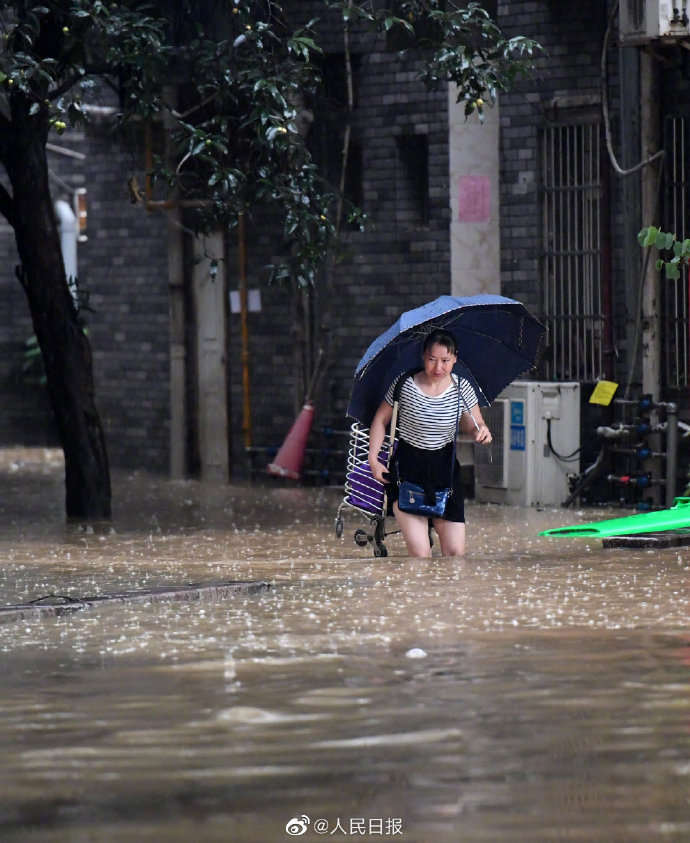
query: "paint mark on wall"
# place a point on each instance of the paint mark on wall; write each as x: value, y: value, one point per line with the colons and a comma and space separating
x: 474, y: 198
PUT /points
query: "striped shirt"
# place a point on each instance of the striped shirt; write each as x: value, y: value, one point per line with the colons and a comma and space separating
x: 428, y: 421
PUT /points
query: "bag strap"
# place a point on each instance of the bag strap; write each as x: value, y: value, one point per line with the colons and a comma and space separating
x: 410, y: 373
x: 396, y: 405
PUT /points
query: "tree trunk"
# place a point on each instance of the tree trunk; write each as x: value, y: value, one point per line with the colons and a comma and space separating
x: 64, y: 346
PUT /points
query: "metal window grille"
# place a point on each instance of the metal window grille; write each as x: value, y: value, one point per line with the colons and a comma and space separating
x: 571, y: 251
x: 676, y: 324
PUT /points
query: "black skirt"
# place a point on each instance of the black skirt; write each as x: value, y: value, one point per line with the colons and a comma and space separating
x: 430, y: 469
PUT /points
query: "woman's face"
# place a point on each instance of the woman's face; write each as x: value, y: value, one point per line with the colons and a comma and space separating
x: 438, y: 361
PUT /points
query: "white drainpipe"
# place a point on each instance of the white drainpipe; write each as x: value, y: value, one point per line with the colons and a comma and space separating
x: 68, y: 226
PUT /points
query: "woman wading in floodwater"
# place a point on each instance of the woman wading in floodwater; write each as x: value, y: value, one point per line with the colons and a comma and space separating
x: 426, y: 427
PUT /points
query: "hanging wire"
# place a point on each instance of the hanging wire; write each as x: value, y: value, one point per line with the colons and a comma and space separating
x: 605, y: 106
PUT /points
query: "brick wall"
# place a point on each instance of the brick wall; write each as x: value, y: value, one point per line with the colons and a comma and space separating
x: 571, y: 37
x: 26, y: 417
x: 398, y: 263
x: 402, y: 260
x: 568, y: 73
x: 125, y: 261
x: 123, y: 267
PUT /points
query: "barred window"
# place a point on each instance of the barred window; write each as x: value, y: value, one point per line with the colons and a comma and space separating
x: 571, y: 258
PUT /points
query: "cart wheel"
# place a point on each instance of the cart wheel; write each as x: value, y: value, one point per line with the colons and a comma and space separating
x: 380, y: 550
x: 361, y: 538
x: 339, y: 527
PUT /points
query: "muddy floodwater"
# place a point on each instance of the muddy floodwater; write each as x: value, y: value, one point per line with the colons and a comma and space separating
x: 538, y: 690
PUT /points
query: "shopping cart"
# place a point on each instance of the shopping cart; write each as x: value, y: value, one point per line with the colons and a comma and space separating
x: 363, y: 493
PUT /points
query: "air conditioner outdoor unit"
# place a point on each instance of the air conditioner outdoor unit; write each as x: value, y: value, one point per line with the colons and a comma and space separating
x: 642, y: 21
x: 536, y: 431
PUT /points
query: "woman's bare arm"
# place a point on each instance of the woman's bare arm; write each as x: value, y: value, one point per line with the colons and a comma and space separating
x: 377, y: 433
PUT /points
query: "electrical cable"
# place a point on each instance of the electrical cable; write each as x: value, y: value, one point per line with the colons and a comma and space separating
x: 587, y: 476
x: 605, y: 107
x: 562, y: 457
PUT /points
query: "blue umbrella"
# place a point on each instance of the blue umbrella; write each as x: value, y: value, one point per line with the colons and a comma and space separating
x: 497, y: 339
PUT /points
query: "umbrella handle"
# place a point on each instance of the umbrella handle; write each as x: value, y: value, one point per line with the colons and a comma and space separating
x: 464, y: 403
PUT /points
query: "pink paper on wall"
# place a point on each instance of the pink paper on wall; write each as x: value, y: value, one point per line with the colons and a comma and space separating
x: 474, y: 195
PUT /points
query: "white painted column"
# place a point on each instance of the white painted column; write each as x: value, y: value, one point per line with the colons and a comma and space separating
x: 475, y: 253
x: 210, y: 303
x: 68, y: 228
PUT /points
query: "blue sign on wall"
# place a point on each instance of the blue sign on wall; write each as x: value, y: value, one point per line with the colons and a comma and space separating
x: 517, y: 412
x: 517, y: 437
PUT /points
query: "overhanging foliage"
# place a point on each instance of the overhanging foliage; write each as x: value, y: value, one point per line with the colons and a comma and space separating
x: 246, y: 71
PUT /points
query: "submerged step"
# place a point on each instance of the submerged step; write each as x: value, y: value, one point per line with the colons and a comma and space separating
x: 53, y: 605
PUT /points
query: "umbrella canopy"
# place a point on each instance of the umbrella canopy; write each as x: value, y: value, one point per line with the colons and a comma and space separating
x: 497, y: 340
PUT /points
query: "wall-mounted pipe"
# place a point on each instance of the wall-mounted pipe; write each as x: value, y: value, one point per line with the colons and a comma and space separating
x: 671, y: 451
x: 68, y: 228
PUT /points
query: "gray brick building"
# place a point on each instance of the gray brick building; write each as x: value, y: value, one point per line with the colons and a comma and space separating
x: 569, y: 220
x: 398, y: 171
x: 567, y: 242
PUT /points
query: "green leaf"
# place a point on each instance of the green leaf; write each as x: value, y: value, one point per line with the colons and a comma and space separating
x: 660, y: 240
x: 672, y: 271
x: 650, y: 237
x: 670, y: 238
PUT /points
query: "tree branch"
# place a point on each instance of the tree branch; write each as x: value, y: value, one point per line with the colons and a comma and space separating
x: 68, y: 83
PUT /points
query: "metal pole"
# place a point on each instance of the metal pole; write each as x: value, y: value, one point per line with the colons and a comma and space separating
x: 176, y: 312
x: 604, y: 234
x: 671, y: 451
x: 651, y: 142
x: 650, y: 175
x: 244, y: 329
x: 178, y: 349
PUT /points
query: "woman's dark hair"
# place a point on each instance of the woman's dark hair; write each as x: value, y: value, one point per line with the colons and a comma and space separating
x: 443, y: 338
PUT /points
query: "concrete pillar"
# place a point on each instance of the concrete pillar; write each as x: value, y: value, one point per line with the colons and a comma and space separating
x: 474, y: 200
x: 210, y: 297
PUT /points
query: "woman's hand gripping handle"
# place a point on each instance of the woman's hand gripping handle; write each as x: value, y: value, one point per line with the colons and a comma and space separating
x: 477, y: 426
